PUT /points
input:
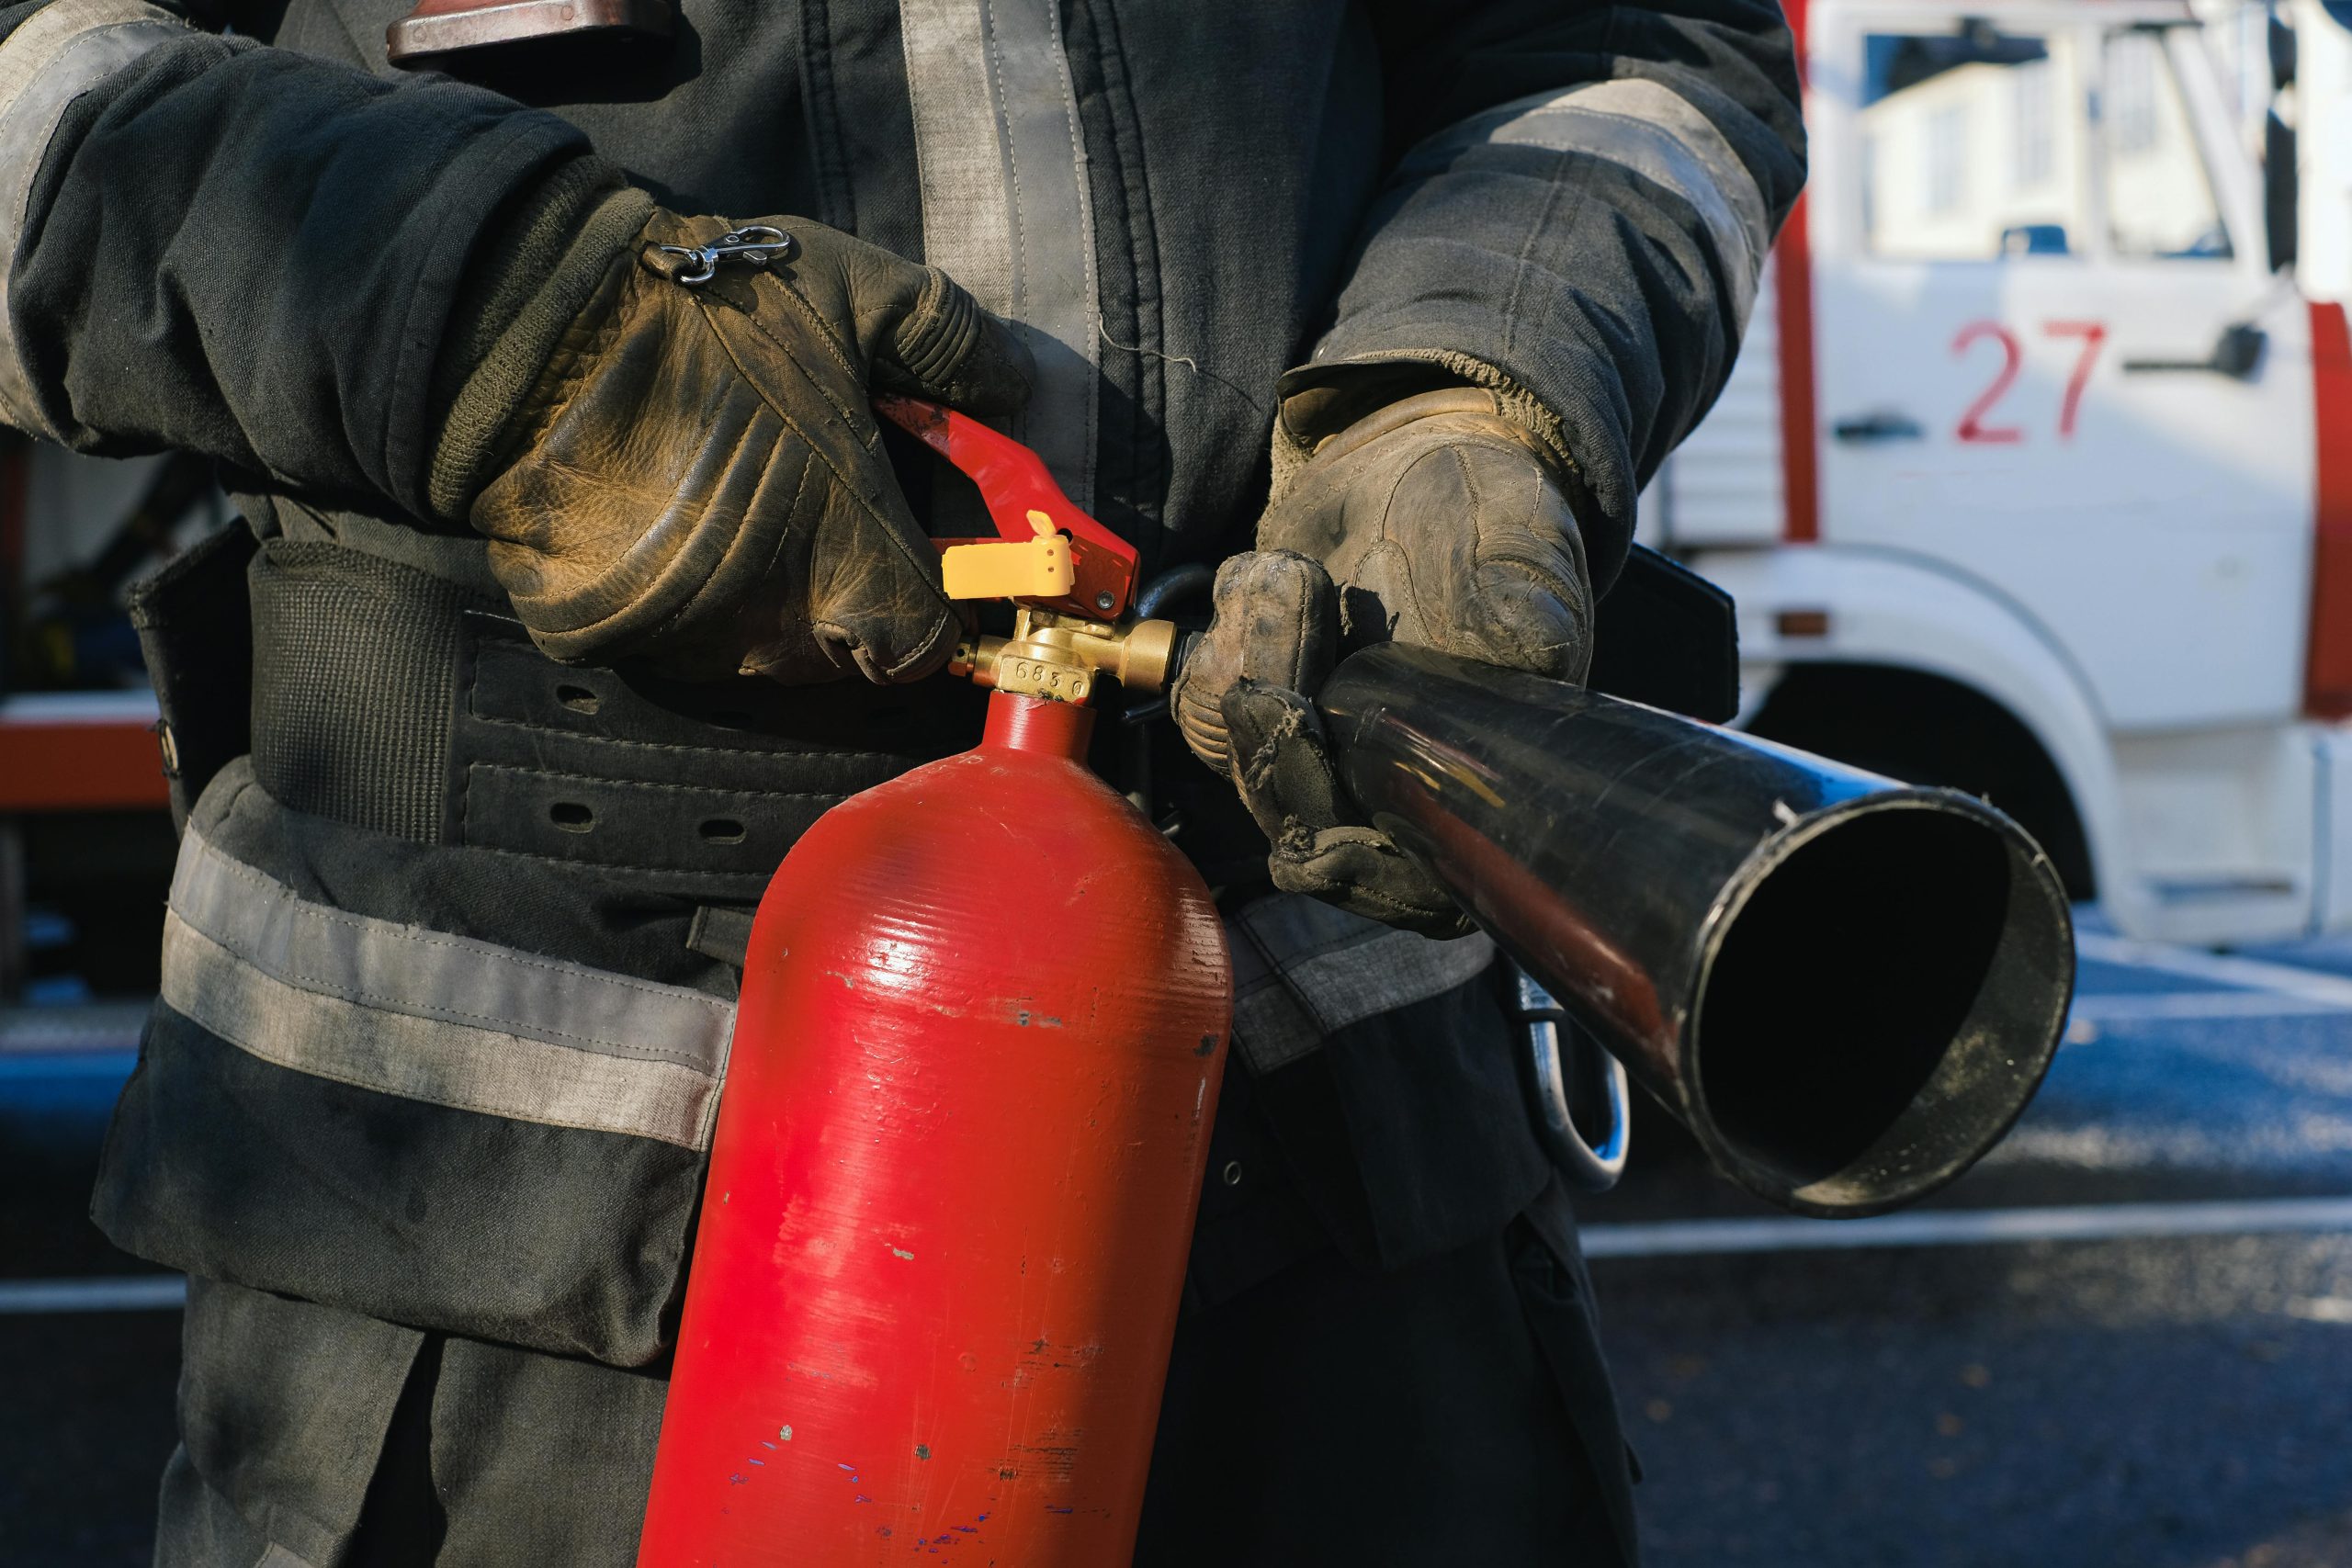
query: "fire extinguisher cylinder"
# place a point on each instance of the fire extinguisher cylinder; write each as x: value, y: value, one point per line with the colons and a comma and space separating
x: 951, y: 1191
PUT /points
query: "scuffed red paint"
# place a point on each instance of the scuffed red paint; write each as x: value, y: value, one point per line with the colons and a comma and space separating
x: 2327, y: 669
x: 1013, y: 1079
x: 1792, y: 308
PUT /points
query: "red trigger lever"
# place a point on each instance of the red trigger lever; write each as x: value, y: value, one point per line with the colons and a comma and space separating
x: 1014, y: 482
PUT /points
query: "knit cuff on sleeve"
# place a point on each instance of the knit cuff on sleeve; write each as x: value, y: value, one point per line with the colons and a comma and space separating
x: 1323, y: 397
x: 529, y: 281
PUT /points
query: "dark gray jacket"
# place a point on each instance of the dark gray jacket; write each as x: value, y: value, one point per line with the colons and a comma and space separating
x: 428, y: 1062
x: 253, y: 252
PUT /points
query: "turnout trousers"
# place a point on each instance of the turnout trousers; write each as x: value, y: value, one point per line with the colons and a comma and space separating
x: 424, y: 1107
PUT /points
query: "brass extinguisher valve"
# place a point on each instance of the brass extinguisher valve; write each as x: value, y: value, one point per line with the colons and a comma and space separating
x: 1069, y: 578
x: 1060, y: 657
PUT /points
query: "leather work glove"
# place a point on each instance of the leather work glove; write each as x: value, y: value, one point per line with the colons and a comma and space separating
x: 696, y: 479
x: 1435, y: 521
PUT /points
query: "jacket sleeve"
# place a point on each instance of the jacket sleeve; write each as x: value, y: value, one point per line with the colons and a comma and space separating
x: 226, y: 248
x: 1580, y: 203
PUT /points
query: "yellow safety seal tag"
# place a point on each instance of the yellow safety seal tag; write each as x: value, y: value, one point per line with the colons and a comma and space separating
x: 1011, y: 568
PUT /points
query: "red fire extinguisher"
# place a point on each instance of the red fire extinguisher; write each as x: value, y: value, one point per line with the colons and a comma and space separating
x: 976, y: 1060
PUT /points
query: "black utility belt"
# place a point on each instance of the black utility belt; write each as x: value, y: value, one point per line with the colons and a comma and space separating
x: 390, y: 699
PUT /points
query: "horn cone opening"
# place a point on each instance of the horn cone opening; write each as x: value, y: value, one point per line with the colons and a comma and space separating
x: 1881, y: 999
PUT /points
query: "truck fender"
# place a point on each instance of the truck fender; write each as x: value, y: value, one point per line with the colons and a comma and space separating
x: 1825, y: 604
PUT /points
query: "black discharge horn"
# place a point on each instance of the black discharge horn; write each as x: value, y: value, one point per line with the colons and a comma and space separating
x: 1846, y: 986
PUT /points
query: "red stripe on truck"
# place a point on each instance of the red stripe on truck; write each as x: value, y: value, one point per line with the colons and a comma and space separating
x: 2328, y: 672
x: 1792, y: 299
x: 79, y: 764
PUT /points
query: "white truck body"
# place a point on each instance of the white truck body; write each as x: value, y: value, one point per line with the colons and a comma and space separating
x: 2321, y: 109
x: 2024, y: 413
x: 1986, y: 520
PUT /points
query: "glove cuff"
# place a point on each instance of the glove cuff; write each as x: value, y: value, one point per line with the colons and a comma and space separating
x: 530, y: 284
x: 1323, y: 398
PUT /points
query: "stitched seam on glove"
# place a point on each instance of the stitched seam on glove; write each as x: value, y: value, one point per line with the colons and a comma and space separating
x: 701, y: 587
x: 816, y: 450
x: 1517, y: 405
x: 798, y: 296
x: 859, y: 424
x: 617, y: 629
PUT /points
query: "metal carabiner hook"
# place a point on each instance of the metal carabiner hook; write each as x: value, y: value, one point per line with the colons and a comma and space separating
x: 1547, y: 1063
x: 756, y: 245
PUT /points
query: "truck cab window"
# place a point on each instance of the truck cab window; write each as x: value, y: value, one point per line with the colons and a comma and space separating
x: 2159, y: 198
x: 1970, y: 146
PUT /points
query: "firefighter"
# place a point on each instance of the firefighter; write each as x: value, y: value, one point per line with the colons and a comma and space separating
x: 577, y: 582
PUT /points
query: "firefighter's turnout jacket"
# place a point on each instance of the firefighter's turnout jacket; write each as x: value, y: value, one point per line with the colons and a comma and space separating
x: 450, y: 952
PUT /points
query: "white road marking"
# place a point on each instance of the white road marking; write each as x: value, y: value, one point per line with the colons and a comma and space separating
x: 1670, y: 1238
x: 2282, y: 979
x: 2265, y: 991
x: 1968, y: 1227
x: 2321, y: 1308
x: 86, y: 1026
x: 2133, y: 1007
x: 127, y: 1292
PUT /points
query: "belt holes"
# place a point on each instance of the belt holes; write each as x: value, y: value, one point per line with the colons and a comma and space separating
x: 722, y: 830
x: 579, y: 699
x: 572, y: 816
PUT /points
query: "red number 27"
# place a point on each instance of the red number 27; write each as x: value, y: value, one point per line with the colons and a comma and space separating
x: 1972, y: 428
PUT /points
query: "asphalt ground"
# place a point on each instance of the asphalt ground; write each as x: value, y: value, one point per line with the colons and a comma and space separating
x: 2124, y: 1341
x: 2011, y: 1386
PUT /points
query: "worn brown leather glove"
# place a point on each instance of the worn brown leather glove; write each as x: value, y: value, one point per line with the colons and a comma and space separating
x: 696, y: 479
x: 1436, y: 521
